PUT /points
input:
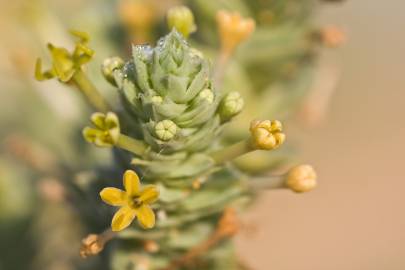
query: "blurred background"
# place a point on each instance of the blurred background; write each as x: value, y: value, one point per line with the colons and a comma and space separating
x: 355, y: 219
x: 352, y: 131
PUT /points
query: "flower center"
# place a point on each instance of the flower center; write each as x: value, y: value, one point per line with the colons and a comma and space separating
x: 135, y: 202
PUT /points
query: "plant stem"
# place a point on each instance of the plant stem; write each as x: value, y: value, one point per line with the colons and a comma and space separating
x: 132, y: 145
x: 233, y: 151
x: 91, y: 93
x: 220, y: 67
x: 268, y: 182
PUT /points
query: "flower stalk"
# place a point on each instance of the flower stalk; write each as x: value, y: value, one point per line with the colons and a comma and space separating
x: 132, y: 145
x: 68, y: 67
x: 265, y: 135
x: 231, y: 152
x: 90, y: 92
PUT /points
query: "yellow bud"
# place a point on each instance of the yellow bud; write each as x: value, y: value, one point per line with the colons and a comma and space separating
x: 266, y: 135
x: 182, y: 19
x: 301, y: 178
x: 233, y: 29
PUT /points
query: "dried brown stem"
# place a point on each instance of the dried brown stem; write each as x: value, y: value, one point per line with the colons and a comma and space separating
x: 228, y: 226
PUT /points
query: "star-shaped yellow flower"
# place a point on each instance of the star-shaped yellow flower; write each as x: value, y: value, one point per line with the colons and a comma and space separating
x: 134, y: 202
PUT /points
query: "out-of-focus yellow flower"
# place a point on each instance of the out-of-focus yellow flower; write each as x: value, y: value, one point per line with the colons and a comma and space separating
x: 182, y: 19
x: 65, y: 63
x: 266, y: 135
x: 233, y: 29
x: 138, y: 16
x: 107, y: 131
x: 134, y: 202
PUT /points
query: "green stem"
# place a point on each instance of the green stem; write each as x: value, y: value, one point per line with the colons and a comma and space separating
x: 231, y: 152
x: 132, y: 145
x: 91, y: 93
x: 269, y: 182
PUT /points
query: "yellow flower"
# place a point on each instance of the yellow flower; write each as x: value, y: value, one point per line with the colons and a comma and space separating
x: 233, y: 29
x: 107, y: 129
x: 134, y: 202
x: 65, y: 63
x: 266, y: 135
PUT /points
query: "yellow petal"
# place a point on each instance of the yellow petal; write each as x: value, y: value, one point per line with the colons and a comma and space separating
x: 149, y: 194
x: 131, y: 183
x: 113, y: 196
x: 111, y: 120
x: 146, y: 217
x: 122, y: 218
x: 113, y: 126
x: 90, y: 134
x: 98, y: 119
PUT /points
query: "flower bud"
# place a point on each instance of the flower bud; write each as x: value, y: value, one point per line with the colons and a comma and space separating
x: 182, y: 19
x: 166, y: 130
x: 266, y: 135
x: 301, y: 178
x: 157, y: 100
x: 207, y: 94
x: 91, y: 245
x: 108, y: 67
x: 331, y: 36
x: 231, y: 105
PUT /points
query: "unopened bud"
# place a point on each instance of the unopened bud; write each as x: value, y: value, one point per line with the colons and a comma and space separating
x: 182, y: 19
x: 157, y: 100
x: 332, y: 36
x: 267, y: 135
x: 91, y: 245
x: 207, y: 94
x: 166, y: 130
x: 108, y: 67
x: 301, y: 178
x: 231, y: 105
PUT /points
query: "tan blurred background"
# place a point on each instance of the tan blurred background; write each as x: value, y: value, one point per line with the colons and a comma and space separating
x: 356, y: 218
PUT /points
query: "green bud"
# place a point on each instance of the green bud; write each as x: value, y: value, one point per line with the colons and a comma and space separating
x: 157, y: 100
x: 207, y: 94
x: 231, y: 105
x: 182, y: 19
x: 108, y: 67
x: 166, y: 130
